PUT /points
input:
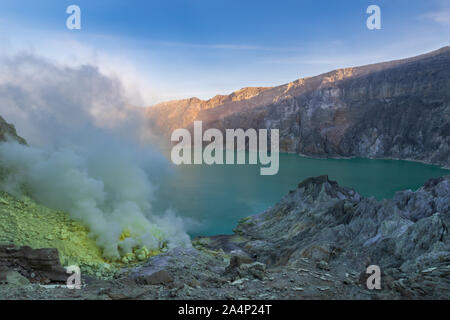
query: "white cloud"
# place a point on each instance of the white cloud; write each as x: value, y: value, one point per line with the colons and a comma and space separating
x: 223, y: 46
x: 441, y: 17
x: 142, y: 86
x: 36, y: 94
x: 83, y: 156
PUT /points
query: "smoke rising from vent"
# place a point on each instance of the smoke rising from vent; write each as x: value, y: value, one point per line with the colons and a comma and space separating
x: 87, y: 153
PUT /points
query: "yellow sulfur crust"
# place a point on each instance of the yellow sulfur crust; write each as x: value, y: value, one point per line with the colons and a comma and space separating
x: 24, y: 222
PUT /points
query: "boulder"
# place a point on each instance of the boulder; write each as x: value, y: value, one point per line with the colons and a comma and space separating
x: 37, y: 265
x: 236, y: 261
x: 154, y: 278
x: 16, y: 279
x: 255, y: 269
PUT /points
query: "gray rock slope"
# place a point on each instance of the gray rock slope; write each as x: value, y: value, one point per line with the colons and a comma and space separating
x: 317, y: 243
x: 406, y: 236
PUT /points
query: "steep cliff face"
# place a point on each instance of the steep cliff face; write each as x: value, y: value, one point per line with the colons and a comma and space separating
x: 7, y: 131
x: 398, y: 109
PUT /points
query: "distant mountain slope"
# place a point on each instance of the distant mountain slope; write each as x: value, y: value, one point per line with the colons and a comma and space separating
x: 168, y: 116
x: 398, y: 109
x: 8, y: 131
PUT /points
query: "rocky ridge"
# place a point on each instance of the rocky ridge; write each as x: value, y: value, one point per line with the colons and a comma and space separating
x: 398, y: 109
x: 8, y: 131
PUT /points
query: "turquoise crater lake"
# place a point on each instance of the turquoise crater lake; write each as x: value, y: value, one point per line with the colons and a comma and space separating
x: 216, y: 197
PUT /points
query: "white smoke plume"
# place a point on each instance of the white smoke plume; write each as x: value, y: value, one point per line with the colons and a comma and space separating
x: 88, y: 152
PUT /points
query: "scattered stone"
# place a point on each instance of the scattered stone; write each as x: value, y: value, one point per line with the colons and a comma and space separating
x: 236, y: 261
x: 239, y: 281
x: 323, y: 288
x: 16, y: 279
x: 429, y: 270
x: 323, y: 265
x: 297, y: 289
x: 157, y: 277
x: 346, y: 282
x: 256, y: 269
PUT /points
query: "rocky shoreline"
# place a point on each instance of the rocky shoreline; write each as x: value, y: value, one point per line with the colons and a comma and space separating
x: 316, y: 243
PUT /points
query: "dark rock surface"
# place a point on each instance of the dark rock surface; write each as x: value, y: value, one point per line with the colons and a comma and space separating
x: 344, y: 232
x: 36, y: 265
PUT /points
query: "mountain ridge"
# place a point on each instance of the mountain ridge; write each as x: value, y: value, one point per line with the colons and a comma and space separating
x: 381, y: 64
x: 333, y: 114
x: 8, y: 132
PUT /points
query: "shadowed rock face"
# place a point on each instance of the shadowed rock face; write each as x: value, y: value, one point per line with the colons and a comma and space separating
x: 398, y: 109
x: 7, y: 131
x: 38, y: 265
x: 324, y: 221
x: 407, y: 236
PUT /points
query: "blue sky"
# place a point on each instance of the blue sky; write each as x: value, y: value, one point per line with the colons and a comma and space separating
x: 176, y: 49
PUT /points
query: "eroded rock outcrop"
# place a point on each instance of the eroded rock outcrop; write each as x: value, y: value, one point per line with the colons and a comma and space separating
x: 36, y: 265
x: 406, y: 236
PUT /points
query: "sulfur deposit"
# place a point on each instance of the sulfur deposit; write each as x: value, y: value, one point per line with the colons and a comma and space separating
x: 24, y: 222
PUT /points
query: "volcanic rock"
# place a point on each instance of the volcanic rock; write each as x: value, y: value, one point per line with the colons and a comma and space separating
x: 37, y: 265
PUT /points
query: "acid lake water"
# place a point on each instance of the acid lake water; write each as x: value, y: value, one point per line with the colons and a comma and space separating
x: 216, y: 197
